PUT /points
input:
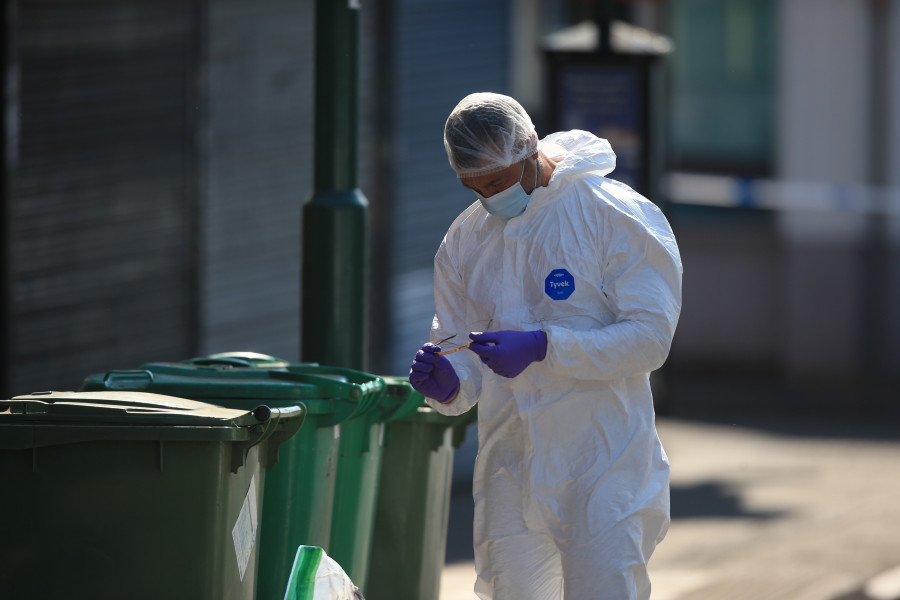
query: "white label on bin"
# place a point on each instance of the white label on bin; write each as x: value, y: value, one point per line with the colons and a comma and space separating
x: 244, y: 531
x: 337, y: 431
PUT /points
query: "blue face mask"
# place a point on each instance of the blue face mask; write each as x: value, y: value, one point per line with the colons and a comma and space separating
x: 511, y: 202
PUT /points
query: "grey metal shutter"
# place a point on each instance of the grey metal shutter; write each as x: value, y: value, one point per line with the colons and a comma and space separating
x: 445, y: 49
x: 101, y: 202
x: 258, y: 174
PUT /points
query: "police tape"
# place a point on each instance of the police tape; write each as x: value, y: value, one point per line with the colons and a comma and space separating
x: 781, y: 194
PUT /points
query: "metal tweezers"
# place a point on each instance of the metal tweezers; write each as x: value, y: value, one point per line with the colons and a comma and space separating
x: 447, y: 339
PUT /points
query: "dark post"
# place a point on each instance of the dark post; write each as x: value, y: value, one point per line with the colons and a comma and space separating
x: 603, y: 17
x: 8, y: 147
x: 333, y: 317
x: 381, y: 211
x: 876, y: 249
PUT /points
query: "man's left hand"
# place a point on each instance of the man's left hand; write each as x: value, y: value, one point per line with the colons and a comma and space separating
x: 507, y: 353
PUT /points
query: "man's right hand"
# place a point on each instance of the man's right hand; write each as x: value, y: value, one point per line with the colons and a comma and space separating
x: 432, y: 375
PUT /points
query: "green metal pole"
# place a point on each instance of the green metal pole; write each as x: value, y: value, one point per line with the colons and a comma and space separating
x: 333, y: 314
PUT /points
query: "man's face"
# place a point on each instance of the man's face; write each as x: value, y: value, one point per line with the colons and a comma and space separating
x: 492, y: 183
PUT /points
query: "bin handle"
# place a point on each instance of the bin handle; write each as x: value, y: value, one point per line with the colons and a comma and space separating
x: 268, y: 422
x: 363, y: 396
x: 409, y: 406
x: 137, y: 379
x: 368, y: 395
x: 295, y: 416
x: 241, y: 359
x: 225, y: 361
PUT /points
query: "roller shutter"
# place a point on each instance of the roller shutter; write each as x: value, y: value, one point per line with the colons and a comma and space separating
x: 101, y: 202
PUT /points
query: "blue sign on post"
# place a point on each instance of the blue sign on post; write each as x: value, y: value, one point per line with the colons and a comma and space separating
x: 559, y: 284
x: 607, y: 100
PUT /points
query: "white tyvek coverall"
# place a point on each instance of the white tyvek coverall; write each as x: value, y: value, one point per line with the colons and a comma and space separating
x: 571, y: 483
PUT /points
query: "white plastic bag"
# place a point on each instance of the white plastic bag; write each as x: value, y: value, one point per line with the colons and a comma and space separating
x: 317, y: 576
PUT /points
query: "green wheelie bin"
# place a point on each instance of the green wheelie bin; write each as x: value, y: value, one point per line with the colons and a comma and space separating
x: 412, y: 509
x: 358, y: 477
x: 302, y: 487
x: 113, y: 495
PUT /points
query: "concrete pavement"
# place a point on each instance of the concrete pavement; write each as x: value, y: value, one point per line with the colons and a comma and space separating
x: 777, y: 508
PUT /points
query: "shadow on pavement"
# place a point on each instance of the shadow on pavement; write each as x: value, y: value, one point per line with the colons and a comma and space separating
x: 711, y: 500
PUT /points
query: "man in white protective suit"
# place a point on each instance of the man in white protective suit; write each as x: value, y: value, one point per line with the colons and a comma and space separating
x: 567, y: 287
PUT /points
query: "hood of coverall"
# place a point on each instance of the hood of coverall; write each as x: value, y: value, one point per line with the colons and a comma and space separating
x: 578, y: 152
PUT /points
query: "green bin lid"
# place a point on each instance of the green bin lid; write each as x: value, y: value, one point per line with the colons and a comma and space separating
x: 120, y: 408
x: 53, y: 418
x: 340, y: 393
x: 203, y: 382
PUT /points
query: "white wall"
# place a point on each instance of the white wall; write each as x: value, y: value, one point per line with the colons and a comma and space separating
x: 824, y: 108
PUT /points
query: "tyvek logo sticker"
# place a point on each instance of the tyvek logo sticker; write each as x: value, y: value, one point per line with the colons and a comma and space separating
x: 559, y: 284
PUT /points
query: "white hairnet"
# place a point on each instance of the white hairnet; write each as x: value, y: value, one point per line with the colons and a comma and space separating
x: 488, y: 132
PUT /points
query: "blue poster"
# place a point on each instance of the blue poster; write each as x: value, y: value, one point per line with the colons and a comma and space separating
x: 607, y: 101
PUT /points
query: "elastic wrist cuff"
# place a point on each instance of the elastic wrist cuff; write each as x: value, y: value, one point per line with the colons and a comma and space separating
x: 542, y: 335
x: 451, y: 398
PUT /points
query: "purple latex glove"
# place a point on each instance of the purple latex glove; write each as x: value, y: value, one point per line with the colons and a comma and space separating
x: 432, y: 375
x: 507, y: 353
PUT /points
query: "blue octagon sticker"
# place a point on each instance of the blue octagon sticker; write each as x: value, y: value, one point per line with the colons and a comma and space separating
x: 559, y: 284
